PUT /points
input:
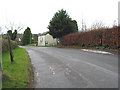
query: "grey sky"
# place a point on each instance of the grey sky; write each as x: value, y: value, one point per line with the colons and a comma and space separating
x: 119, y: 13
x: 37, y: 13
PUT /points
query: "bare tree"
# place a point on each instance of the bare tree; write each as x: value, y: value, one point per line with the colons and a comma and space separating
x: 114, y: 23
x: 12, y: 27
x: 83, y: 26
x: 97, y: 25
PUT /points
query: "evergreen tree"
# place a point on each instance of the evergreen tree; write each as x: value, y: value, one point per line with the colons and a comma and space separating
x: 14, y: 35
x: 61, y: 24
x: 27, y: 36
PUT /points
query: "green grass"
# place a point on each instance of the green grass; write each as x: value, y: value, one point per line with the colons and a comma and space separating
x: 41, y: 45
x: 48, y: 46
x: 75, y: 47
x: 16, y: 74
x: 31, y: 44
x: 99, y: 47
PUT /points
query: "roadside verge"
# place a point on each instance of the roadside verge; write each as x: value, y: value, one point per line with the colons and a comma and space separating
x: 99, y: 50
x: 18, y: 74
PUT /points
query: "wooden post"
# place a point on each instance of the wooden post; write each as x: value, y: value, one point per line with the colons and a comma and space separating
x: 9, y: 43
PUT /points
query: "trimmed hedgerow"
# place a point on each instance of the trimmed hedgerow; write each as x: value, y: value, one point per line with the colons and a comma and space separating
x: 108, y: 37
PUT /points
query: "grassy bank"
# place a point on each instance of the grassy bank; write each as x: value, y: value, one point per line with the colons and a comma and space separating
x: 16, y: 74
x: 98, y: 48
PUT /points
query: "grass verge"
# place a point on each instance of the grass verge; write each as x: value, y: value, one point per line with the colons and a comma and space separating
x: 41, y: 45
x: 18, y: 73
x: 31, y: 44
x: 75, y: 47
x: 98, y: 48
x: 48, y: 46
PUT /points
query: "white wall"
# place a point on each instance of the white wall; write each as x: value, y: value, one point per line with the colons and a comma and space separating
x: 41, y: 41
x: 48, y: 38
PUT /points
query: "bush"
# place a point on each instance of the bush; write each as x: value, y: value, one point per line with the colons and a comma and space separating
x: 5, y: 46
x: 110, y: 38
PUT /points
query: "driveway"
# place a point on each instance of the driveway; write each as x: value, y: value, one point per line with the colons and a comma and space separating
x: 73, y: 68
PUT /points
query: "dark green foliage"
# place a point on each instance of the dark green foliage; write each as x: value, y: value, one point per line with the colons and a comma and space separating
x: 27, y: 37
x: 35, y: 38
x: 74, y: 25
x: 12, y: 35
x: 61, y: 24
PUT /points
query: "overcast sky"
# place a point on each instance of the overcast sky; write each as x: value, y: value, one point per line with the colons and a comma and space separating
x: 36, y: 14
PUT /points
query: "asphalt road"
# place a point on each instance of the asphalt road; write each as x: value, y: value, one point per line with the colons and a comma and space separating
x: 72, y: 68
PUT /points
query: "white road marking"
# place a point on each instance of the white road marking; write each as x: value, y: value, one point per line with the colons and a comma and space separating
x: 95, y: 51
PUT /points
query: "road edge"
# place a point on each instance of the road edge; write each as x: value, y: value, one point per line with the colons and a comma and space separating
x: 31, y: 74
x: 113, y: 51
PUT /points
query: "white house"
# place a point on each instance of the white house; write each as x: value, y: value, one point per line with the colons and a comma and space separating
x: 46, y: 40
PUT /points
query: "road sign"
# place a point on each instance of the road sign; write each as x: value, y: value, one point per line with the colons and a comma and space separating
x: 46, y: 42
x: 58, y: 40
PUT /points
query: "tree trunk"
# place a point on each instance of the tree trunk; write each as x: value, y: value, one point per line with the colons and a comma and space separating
x: 9, y: 43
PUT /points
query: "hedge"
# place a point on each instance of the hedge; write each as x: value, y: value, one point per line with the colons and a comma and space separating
x: 110, y: 37
x: 5, y: 46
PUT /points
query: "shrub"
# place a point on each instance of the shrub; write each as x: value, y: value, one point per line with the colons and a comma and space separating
x: 5, y: 46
